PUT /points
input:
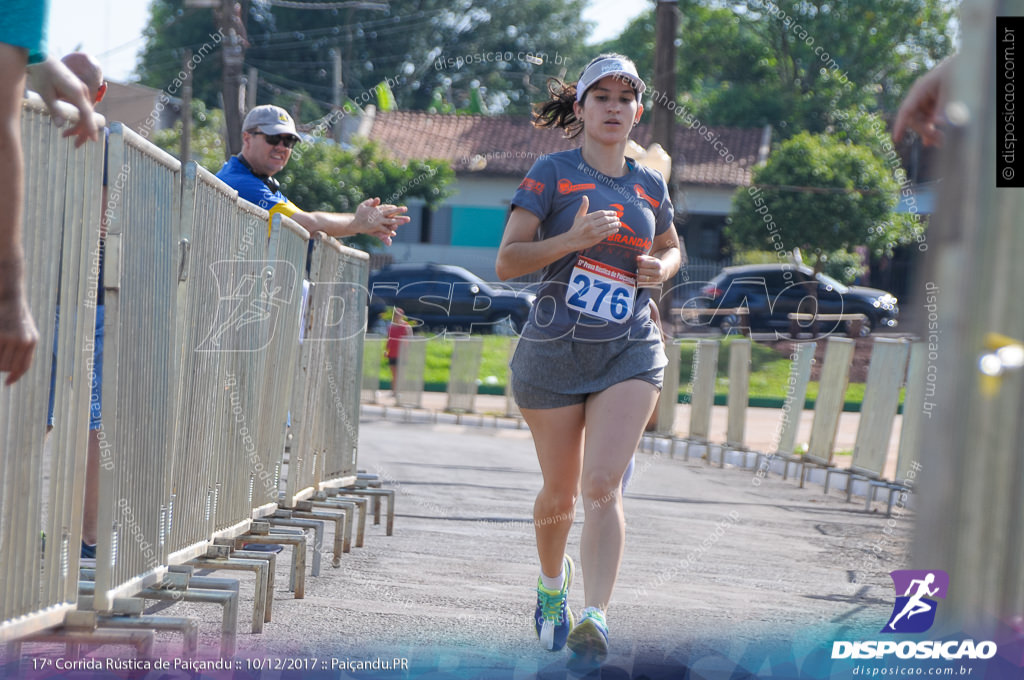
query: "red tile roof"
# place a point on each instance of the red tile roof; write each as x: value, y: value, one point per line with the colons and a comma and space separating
x: 510, y: 145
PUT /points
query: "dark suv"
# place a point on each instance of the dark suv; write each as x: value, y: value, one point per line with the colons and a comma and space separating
x: 773, y: 291
x: 447, y: 297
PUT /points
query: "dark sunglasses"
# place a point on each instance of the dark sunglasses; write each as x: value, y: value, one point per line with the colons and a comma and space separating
x: 273, y: 140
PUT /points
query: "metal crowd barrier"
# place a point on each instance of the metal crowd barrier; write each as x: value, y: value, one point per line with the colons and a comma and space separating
x: 467, y: 354
x: 266, y: 292
x: 702, y: 401
x: 412, y: 358
x: 239, y: 316
x: 41, y: 489
x: 373, y: 354
x: 910, y: 429
x: 739, y: 395
x: 300, y: 480
x: 828, y: 407
x: 338, y: 307
x: 322, y: 432
x: 793, y: 406
x: 877, y: 412
x: 326, y: 392
x: 511, y: 407
x: 244, y: 334
x: 285, y: 258
x: 139, y: 367
x: 202, y: 351
x: 260, y: 326
x: 310, y: 383
x: 206, y: 237
x: 913, y: 410
x: 665, y: 425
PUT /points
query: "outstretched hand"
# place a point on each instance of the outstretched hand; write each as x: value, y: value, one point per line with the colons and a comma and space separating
x: 380, y: 220
x: 589, y: 229
x: 921, y: 109
x: 55, y: 81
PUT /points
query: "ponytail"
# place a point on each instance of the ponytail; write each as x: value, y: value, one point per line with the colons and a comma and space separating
x: 557, y: 111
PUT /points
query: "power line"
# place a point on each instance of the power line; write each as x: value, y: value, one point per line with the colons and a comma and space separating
x: 330, y: 105
x: 278, y: 78
x: 351, y: 4
x: 404, y: 22
x: 823, y: 190
x: 386, y: 27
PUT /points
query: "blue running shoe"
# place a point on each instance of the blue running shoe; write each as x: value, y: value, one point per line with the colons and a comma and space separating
x: 589, y: 639
x: 553, y: 616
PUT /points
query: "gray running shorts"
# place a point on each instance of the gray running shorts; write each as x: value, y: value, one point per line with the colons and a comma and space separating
x: 562, y: 372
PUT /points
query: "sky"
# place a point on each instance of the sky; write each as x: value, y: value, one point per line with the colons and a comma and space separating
x: 112, y: 29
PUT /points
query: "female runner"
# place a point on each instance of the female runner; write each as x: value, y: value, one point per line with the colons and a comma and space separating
x: 588, y: 369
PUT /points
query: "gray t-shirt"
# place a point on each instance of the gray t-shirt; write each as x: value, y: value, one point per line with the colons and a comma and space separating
x: 588, y: 295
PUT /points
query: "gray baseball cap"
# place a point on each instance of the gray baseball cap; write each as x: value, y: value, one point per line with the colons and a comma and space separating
x: 270, y: 120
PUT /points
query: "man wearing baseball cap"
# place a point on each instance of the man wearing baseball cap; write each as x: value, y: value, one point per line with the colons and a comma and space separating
x: 268, y: 135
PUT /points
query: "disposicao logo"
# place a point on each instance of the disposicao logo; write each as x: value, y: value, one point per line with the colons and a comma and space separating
x: 914, y: 612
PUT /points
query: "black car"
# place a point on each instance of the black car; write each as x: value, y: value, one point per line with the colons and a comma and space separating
x: 439, y: 296
x: 771, y: 292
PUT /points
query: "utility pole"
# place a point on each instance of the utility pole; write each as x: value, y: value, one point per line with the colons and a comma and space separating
x: 339, y: 94
x: 251, y: 87
x: 662, y: 118
x: 232, y: 26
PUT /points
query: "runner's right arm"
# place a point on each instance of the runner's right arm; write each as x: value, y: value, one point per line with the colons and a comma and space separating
x: 519, y: 252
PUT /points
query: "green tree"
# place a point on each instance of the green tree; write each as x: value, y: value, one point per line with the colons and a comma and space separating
x: 849, y: 53
x: 820, y: 195
x: 509, y: 48
x: 207, y: 143
x: 505, y: 50
x: 792, y: 63
x: 173, y: 28
x: 723, y: 73
x: 323, y: 176
x: 843, y: 266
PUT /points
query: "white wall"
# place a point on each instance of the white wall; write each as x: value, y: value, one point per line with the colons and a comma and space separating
x: 708, y: 201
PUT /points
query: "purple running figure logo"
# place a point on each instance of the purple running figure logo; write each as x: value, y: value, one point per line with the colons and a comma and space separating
x: 914, y: 610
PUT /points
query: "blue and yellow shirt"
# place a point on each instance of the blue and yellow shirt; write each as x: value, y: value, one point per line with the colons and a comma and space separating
x: 255, y: 190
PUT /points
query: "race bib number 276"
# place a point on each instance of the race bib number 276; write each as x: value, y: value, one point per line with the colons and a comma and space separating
x: 601, y: 291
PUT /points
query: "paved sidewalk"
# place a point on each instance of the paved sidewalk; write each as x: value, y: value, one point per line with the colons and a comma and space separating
x: 762, y: 431
x: 713, y: 561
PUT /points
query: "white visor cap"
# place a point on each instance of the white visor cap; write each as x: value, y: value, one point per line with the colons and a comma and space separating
x: 610, y: 66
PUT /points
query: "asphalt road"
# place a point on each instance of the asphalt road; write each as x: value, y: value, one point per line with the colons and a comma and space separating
x: 717, y: 566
